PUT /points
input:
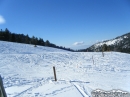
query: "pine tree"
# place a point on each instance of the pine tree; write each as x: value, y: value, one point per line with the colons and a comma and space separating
x: 6, y: 36
x: 27, y: 40
x: 47, y: 43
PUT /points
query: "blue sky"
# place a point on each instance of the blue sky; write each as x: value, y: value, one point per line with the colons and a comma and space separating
x: 69, y: 23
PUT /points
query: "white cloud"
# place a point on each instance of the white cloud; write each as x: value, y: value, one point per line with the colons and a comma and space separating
x: 2, y: 20
x: 77, y: 47
x: 78, y: 43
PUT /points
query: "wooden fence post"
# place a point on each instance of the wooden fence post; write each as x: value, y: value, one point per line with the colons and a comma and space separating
x: 93, y: 60
x: 102, y: 53
x: 2, y: 90
x: 54, y: 73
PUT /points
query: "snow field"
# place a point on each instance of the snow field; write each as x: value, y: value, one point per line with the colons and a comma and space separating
x: 27, y: 71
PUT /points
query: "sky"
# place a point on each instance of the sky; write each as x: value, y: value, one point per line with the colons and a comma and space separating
x: 70, y: 23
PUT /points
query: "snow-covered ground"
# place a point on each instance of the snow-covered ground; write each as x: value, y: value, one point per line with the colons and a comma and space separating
x: 27, y: 71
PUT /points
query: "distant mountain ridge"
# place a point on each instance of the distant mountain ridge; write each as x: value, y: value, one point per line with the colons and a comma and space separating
x: 120, y: 44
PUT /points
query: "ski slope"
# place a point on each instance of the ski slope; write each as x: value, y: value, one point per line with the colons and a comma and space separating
x: 27, y: 71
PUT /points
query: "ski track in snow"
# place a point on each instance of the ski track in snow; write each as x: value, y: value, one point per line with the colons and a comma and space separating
x: 81, y: 91
x: 27, y: 71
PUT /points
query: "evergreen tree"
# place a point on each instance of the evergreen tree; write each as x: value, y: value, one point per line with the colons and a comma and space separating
x: 27, y: 40
x: 6, y: 35
x: 13, y: 38
x: 105, y: 47
x: 41, y: 42
x: 33, y: 40
x: 47, y: 43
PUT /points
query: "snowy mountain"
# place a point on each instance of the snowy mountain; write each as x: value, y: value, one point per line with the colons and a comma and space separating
x: 27, y: 71
x: 121, y: 44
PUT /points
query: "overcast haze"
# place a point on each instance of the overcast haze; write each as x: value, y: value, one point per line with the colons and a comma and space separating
x: 69, y: 23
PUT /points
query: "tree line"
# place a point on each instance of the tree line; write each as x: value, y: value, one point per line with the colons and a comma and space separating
x: 6, y: 35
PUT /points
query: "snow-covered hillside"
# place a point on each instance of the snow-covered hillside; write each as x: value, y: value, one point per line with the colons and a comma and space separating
x: 27, y: 71
x: 109, y: 42
x: 18, y: 48
x: 121, y: 43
